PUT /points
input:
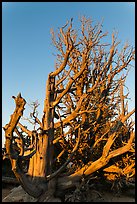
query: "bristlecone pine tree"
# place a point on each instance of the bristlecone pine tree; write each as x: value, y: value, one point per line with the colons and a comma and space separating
x: 86, y: 127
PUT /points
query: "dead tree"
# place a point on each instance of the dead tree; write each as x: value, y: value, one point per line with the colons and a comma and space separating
x: 85, y: 117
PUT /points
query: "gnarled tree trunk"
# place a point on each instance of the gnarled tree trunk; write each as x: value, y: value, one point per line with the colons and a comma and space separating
x: 91, y: 125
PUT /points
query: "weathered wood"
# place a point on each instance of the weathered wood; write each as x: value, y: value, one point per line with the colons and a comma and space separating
x: 9, y: 180
x: 81, y: 123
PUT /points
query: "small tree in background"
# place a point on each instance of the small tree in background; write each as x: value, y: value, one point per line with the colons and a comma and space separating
x: 85, y: 119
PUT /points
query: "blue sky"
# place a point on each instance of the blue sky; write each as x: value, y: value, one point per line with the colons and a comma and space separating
x: 27, y: 52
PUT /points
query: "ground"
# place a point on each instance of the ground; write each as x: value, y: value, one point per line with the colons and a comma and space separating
x: 92, y: 195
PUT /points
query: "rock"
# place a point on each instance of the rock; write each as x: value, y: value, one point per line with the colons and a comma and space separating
x: 19, y: 195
